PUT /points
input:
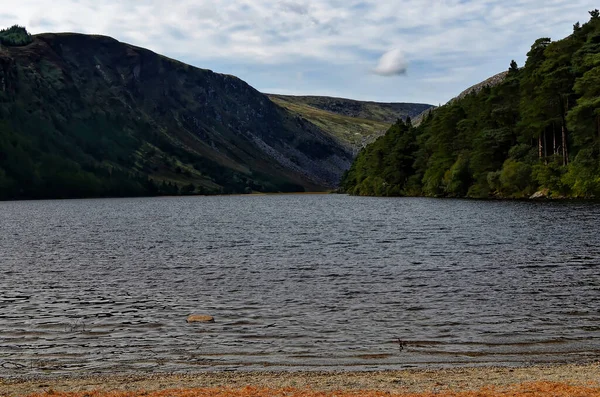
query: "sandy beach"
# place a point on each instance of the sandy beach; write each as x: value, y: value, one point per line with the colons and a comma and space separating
x: 558, y: 380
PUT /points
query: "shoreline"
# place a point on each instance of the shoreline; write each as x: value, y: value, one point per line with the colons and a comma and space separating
x: 458, y: 379
x: 550, y: 199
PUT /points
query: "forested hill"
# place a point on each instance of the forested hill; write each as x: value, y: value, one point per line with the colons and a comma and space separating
x: 537, y: 131
x: 88, y: 116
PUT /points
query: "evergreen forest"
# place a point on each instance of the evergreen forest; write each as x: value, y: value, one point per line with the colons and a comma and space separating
x: 538, y: 131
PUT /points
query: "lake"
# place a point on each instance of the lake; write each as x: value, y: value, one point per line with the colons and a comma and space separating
x: 311, y: 282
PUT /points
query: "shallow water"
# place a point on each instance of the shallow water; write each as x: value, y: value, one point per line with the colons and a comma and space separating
x: 295, y: 282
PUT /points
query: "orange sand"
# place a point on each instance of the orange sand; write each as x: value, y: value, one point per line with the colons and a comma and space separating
x: 535, y: 389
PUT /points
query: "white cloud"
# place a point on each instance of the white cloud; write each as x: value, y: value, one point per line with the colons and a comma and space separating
x: 392, y: 63
x: 271, y: 31
x: 436, y: 35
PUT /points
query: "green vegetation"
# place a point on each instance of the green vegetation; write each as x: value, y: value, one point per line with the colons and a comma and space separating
x: 101, y: 156
x: 348, y: 130
x: 352, y: 123
x: 15, y: 36
x: 537, y: 130
x: 382, y: 112
x: 39, y: 160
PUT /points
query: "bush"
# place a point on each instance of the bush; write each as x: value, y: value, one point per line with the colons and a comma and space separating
x: 493, y: 180
x: 550, y: 175
x: 584, y: 174
x: 457, y: 179
x: 515, y: 178
x: 480, y: 189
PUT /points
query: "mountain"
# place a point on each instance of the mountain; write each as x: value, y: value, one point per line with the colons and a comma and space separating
x: 352, y: 123
x: 528, y: 132
x: 87, y: 116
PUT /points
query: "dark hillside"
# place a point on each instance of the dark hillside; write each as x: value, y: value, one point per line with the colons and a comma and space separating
x: 89, y: 116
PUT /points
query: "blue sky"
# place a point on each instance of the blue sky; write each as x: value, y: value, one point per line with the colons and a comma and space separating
x: 386, y: 50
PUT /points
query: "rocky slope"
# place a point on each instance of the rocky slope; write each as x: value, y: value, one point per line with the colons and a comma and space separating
x: 87, y: 115
x: 490, y: 82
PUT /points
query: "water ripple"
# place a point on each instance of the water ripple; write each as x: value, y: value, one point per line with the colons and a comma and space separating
x: 321, y: 282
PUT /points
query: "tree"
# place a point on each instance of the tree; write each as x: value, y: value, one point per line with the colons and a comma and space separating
x: 557, y: 87
x: 534, y: 110
x: 15, y: 36
x: 584, y: 118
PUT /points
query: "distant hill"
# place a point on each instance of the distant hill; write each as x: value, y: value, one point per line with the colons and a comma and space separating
x: 353, y: 123
x: 87, y: 116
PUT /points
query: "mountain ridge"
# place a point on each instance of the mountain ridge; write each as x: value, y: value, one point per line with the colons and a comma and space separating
x: 91, y: 116
x: 104, y: 106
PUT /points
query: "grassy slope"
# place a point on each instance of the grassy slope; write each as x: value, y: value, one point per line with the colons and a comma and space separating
x: 352, y: 132
x: 352, y: 123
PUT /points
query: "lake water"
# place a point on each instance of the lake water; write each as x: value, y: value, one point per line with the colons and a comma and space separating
x: 323, y: 282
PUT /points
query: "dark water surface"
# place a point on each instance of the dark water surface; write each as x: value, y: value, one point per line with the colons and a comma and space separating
x: 295, y: 282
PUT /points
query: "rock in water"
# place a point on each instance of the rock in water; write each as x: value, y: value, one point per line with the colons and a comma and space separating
x: 542, y: 194
x: 200, y: 318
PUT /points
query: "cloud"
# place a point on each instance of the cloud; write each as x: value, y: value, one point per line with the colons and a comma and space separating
x: 279, y: 31
x: 262, y: 38
x: 392, y: 63
x: 295, y: 7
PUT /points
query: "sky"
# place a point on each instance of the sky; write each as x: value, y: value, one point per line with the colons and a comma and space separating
x: 424, y: 51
